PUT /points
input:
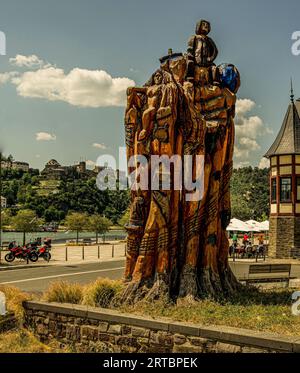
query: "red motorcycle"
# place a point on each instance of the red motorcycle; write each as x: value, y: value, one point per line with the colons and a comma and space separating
x: 19, y: 252
x: 44, y: 251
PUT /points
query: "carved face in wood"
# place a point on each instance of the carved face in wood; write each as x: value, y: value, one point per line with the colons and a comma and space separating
x: 158, y: 78
x: 203, y: 28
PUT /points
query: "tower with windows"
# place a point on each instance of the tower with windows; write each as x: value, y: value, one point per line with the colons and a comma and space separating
x: 284, y: 156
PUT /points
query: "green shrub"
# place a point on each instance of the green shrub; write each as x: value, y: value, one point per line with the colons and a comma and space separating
x: 101, y: 292
x: 64, y: 292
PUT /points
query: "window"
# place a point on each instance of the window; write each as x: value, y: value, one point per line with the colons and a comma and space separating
x: 285, y: 189
x: 274, y: 191
x: 298, y: 189
x: 285, y: 159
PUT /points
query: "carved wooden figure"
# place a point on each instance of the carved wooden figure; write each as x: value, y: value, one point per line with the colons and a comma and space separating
x: 177, y: 246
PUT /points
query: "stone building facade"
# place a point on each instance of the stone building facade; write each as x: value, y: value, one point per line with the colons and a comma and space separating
x: 15, y: 165
x: 284, y: 156
x: 55, y: 171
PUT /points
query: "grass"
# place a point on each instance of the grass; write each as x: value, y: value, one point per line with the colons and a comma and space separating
x: 101, y: 292
x: 23, y: 341
x: 95, y: 294
x: 64, y: 292
x: 47, y: 187
x: 262, y: 310
x: 14, y: 299
x: 266, y: 311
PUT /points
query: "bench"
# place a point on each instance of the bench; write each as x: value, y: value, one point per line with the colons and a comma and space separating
x: 5, y: 244
x: 269, y: 273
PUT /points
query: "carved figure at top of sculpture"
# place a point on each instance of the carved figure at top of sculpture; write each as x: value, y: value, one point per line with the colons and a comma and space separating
x: 202, y: 50
x: 153, y: 93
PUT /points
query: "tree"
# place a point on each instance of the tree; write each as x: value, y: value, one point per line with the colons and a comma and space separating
x: 52, y: 214
x: 25, y: 221
x: 6, y: 217
x: 99, y: 225
x: 76, y: 222
x: 118, y: 202
x: 250, y: 193
x: 10, y: 158
x: 125, y: 218
x: 240, y: 208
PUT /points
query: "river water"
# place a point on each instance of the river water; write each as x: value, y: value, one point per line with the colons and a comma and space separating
x: 60, y: 237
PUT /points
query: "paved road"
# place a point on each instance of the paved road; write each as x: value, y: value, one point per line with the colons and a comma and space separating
x: 38, y: 279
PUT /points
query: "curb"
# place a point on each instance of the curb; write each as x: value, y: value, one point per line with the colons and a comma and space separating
x: 11, y: 268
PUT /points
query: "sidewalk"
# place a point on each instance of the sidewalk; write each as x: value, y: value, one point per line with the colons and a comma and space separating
x: 63, y: 255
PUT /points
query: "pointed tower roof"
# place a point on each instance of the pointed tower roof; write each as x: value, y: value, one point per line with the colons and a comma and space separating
x: 288, y: 138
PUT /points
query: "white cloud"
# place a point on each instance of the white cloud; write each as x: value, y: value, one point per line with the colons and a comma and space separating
x: 32, y: 61
x: 80, y: 87
x: 6, y: 77
x: 264, y: 163
x: 244, y: 105
x: 244, y: 146
x: 241, y: 164
x: 249, y: 143
x: 45, y: 136
x: 99, y: 146
x: 249, y: 127
x: 90, y: 163
x: 249, y: 132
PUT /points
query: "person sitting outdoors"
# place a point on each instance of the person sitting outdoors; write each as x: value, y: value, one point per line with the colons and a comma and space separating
x: 261, y: 239
x: 235, y: 239
x: 245, y: 239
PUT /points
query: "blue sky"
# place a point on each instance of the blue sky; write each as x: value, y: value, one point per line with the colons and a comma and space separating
x: 124, y: 39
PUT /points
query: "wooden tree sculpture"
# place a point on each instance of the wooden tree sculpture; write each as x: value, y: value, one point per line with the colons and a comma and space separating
x: 178, y: 246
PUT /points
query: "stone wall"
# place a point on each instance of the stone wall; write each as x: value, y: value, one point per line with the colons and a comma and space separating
x: 7, y: 322
x: 284, y: 236
x: 102, y: 330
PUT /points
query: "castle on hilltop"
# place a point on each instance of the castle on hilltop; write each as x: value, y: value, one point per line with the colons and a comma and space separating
x: 55, y: 171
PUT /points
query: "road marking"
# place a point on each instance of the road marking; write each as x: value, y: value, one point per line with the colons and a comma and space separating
x: 62, y: 275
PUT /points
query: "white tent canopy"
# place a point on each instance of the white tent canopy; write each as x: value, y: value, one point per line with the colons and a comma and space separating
x: 264, y: 226
x: 254, y: 225
x: 237, y: 225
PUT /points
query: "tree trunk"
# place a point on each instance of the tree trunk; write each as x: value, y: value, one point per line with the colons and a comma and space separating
x: 177, y: 247
x: 77, y: 237
x: 24, y: 238
x: 97, y: 238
